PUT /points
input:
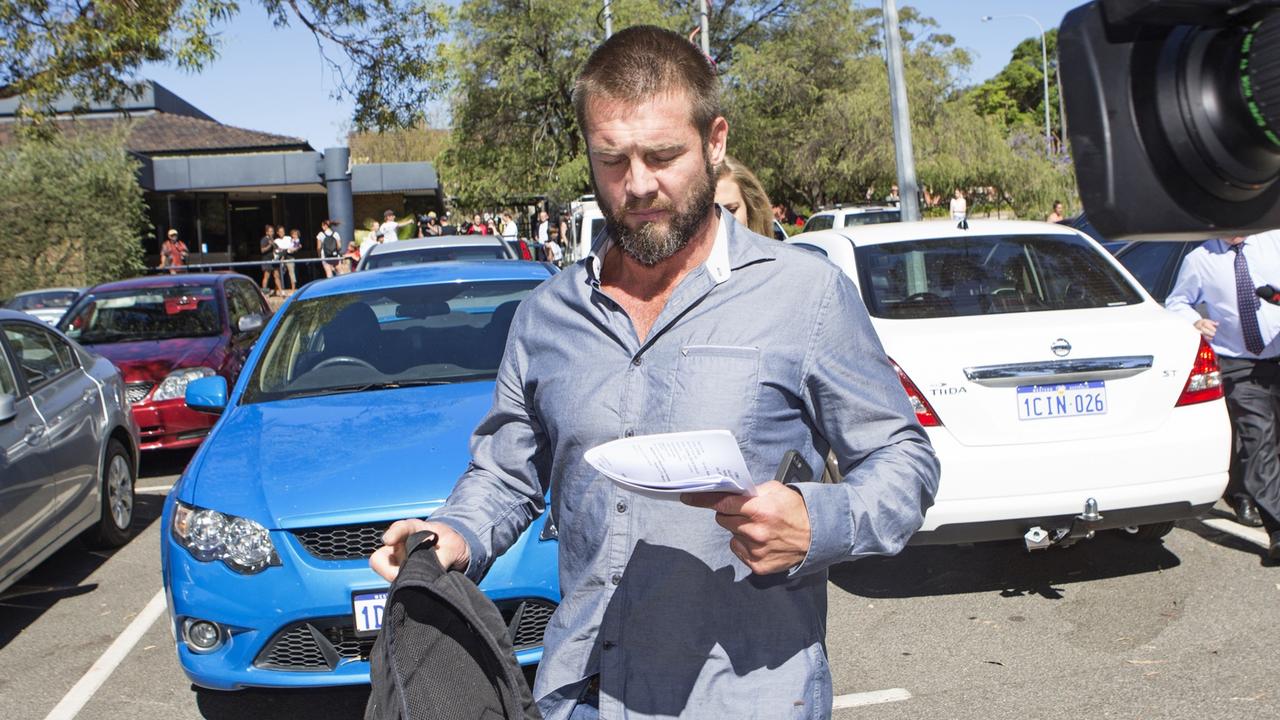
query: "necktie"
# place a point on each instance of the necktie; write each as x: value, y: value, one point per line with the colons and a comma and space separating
x: 1247, y: 303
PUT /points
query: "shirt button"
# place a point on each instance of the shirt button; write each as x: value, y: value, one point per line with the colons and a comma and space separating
x: 636, y: 362
x: 629, y: 432
x: 617, y: 578
x: 622, y: 506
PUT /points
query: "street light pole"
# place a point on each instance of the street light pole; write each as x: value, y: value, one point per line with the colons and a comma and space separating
x: 908, y: 195
x: 1044, y: 71
x: 702, y: 28
x: 608, y: 20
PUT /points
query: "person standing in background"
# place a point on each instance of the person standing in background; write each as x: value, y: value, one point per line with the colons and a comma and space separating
x: 328, y: 247
x: 1056, y: 216
x: 270, y: 268
x: 959, y: 207
x: 1224, y: 275
x: 173, y: 252
x: 740, y: 192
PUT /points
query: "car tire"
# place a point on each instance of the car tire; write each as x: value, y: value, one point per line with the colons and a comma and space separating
x: 118, y: 500
x: 1147, y: 533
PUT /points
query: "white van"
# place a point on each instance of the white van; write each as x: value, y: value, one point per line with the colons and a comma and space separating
x: 588, y: 222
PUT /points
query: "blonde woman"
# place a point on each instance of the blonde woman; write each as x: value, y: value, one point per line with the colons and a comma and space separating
x: 739, y: 192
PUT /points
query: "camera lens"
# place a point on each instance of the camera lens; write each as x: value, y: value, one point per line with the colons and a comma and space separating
x: 1215, y: 93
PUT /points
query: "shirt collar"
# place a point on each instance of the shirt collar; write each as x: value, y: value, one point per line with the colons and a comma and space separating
x: 729, y: 250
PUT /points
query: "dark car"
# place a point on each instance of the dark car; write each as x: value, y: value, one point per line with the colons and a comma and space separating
x: 68, y: 446
x: 165, y: 331
x: 1154, y: 263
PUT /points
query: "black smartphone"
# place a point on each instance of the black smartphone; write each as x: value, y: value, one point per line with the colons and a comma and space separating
x: 793, y: 469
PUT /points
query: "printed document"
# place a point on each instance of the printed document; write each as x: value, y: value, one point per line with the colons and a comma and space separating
x: 698, y: 461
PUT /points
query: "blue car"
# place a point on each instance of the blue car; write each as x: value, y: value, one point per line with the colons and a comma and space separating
x: 354, y: 410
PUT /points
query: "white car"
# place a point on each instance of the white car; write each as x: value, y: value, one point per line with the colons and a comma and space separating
x: 852, y: 216
x: 1060, y: 397
x: 435, y: 249
x: 48, y: 304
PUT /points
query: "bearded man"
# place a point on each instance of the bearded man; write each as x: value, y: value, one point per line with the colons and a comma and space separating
x: 680, y: 319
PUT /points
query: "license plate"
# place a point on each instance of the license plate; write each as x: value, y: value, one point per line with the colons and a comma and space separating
x: 1041, y: 402
x: 366, y: 610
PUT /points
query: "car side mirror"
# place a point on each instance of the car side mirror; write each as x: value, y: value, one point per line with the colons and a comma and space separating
x: 8, y: 407
x: 207, y: 394
x: 250, y: 323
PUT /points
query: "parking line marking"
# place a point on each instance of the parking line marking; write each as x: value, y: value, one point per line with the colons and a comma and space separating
x: 875, y: 697
x: 154, y: 488
x: 1253, y: 535
x: 80, y: 693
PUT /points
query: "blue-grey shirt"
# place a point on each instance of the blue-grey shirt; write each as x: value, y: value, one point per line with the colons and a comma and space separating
x: 763, y: 339
x: 1208, y: 276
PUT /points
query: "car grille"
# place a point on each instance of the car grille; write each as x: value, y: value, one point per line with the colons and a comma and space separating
x: 320, y: 645
x: 135, y: 392
x: 342, y: 542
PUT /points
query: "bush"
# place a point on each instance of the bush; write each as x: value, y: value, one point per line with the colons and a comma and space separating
x: 71, y: 208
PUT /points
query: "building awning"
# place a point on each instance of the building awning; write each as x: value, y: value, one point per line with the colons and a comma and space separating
x: 278, y: 173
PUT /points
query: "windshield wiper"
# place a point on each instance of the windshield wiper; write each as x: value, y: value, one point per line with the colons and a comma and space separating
x: 362, y: 387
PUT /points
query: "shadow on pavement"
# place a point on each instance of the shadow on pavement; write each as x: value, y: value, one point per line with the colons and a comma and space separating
x: 302, y: 704
x: 1226, y: 540
x: 61, y: 575
x: 1003, y: 567
x: 160, y: 463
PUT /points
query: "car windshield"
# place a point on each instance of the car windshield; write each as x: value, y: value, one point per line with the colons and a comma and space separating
x: 160, y: 313
x: 988, y: 275
x: 417, y: 256
x: 41, y: 300
x: 393, y: 337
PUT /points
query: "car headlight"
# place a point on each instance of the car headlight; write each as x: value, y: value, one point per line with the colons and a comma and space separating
x: 244, y: 545
x: 175, y: 385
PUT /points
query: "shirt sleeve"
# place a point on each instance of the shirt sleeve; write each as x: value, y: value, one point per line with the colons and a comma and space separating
x: 501, y: 492
x: 889, y: 473
x: 1188, y: 290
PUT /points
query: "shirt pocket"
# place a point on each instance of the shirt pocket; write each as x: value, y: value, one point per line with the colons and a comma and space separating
x: 715, y: 388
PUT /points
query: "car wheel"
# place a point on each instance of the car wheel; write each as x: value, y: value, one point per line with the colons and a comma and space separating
x: 1154, y: 531
x: 117, y: 498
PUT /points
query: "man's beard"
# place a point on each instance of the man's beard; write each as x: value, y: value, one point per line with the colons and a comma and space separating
x: 651, y: 243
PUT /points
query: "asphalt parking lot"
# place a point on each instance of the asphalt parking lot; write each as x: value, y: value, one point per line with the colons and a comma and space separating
x: 1109, y: 629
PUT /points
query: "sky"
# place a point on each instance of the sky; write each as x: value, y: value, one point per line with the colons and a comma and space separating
x: 274, y: 80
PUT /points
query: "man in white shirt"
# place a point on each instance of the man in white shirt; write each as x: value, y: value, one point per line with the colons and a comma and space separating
x: 509, y: 228
x: 1224, y: 275
x: 542, y: 227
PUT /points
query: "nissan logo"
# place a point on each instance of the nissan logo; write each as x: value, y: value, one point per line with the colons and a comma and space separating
x: 1061, y: 347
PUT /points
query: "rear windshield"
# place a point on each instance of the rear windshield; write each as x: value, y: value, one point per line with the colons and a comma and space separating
x: 42, y: 300
x: 419, y: 256
x: 872, y: 218
x: 987, y: 275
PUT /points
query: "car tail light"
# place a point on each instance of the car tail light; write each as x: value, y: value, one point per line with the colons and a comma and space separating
x: 924, y: 411
x: 1205, y: 383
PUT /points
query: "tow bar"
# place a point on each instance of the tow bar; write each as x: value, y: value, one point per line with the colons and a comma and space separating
x: 1083, y: 527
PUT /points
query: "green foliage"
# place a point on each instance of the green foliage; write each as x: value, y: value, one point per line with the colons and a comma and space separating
x: 415, y: 144
x: 512, y: 68
x: 72, y: 211
x: 382, y: 51
x: 1015, y: 96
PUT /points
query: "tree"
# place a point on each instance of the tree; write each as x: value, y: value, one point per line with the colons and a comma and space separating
x: 1015, y: 96
x: 72, y: 211
x: 383, y: 52
x: 512, y: 67
x: 415, y: 144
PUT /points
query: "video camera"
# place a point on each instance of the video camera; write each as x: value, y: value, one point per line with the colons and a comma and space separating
x: 1173, y: 111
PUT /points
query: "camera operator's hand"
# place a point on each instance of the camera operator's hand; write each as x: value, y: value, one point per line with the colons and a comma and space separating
x: 451, y: 550
x: 1208, y: 328
x: 770, y: 530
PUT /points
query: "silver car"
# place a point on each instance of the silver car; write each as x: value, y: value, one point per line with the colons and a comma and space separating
x: 68, y: 446
x: 435, y: 249
x: 48, y: 304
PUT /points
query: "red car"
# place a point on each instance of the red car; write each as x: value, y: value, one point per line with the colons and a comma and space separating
x: 163, y: 332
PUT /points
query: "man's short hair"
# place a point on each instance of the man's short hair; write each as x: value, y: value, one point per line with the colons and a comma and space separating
x: 643, y: 62
x: 389, y: 213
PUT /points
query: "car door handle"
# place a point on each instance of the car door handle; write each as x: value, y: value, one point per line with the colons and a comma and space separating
x: 34, y: 433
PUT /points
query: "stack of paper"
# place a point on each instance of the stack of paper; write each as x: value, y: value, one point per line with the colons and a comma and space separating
x: 699, y: 461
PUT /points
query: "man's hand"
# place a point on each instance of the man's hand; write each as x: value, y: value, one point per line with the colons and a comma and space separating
x: 451, y: 550
x: 1208, y: 328
x: 770, y: 530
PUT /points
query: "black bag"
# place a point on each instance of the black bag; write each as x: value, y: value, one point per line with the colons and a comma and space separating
x: 443, y: 651
x: 330, y: 245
